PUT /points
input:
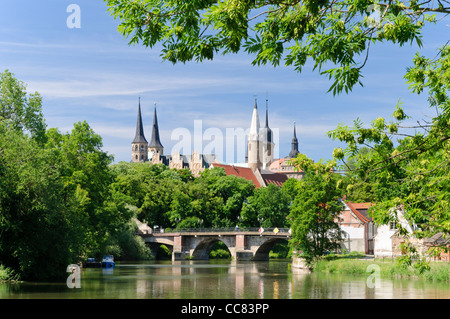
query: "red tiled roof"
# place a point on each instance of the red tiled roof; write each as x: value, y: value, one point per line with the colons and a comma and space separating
x: 276, y: 164
x: 361, y: 205
x: 360, y: 210
x: 244, y: 172
x: 274, y: 178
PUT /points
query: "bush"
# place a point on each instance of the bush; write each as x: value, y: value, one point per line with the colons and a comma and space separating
x: 126, y: 245
x: 280, y: 250
x: 220, y: 254
x: 437, y: 271
x: 8, y: 275
x: 219, y: 251
x: 164, y: 252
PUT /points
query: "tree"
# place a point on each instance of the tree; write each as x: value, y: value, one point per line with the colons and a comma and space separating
x: 269, y: 204
x: 408, y: 166
x: 336, y: 35
x: 316, y: 209
x: 19, y: 111
x: 38, y: 222
x: 83, y: 166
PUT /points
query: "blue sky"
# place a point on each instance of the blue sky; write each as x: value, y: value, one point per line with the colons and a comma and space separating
x: 91, y: 73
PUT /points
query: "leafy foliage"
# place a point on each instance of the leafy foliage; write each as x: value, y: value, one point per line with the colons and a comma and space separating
x: 270, y: 204
x: 56, y: 206
x: 19, y: 111
x: 316, y: 209
x: 335, y: 35
x: 167, y: 199
x: 404, y: 166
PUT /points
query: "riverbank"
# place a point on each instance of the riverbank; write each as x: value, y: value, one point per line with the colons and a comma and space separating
x: 439, y: 271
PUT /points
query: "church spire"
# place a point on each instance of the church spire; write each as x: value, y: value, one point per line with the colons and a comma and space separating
x: 254, y: 126
x: 155, y: 145
x: 294, y: 145
x: 253, y: 141
x: 155, y: 142
x: 139, y: 145
x: 266, y: 132
x: 267, y: 113
x: 139, y: 137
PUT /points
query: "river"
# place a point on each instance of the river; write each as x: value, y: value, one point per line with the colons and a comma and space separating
x: 221, y: 280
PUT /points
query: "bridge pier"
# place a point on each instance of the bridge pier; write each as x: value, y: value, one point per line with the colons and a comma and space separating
x: 241, y: 252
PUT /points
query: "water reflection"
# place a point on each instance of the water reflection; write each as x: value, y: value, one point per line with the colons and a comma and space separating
x: 224, y: 280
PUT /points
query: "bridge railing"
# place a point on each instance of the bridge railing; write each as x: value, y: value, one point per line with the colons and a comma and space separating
x: 224, y: 230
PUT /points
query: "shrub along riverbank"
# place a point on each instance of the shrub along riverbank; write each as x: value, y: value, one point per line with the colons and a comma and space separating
x: 438, y: 271
x: 7, y: 275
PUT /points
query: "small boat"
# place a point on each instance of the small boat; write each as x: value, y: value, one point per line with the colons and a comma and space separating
x: 91, y: 263
x: 108, y: 261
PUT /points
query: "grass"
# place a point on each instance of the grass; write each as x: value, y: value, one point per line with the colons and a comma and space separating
x: 354, y: 265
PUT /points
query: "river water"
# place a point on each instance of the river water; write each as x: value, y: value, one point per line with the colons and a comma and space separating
x: 221, y: 280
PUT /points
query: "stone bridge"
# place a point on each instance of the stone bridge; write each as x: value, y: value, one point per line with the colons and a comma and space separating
x: 248, y: 244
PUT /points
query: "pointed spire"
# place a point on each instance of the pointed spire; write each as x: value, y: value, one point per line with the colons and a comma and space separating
x: 266, y: 132
x: 139, y: 138
x: 155, y: 142
x: 254, y: 126
x: 267, y: 112
x: 294, y: 145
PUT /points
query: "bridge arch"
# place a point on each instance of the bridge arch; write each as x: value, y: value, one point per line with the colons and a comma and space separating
x: 262, y: 253
x: 204, y: 247
x: 156, y: 243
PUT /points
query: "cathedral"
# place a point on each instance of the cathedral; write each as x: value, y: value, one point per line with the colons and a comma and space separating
x: 260, y: 150
x: 259, y: 156
x: 142, y: 151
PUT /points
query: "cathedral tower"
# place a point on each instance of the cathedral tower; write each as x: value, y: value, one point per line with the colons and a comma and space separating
x: 266, y: 142
x: 253, y: 153
x: 155, y: 146
x: 139, y: 152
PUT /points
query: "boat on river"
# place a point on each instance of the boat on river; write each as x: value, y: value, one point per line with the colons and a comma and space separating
x: 108, y: 261
x: 92, y: 263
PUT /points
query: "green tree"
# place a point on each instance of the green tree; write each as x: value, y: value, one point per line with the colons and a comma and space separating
x: 270, y: 204
x: 18, y: 110
x: 57, y: 203
x: 83, y: 166
x: 38, y: 222
x: 335, y: 35
x: 231, y: 191
x: 316, y: 209
x: 408, y: 166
